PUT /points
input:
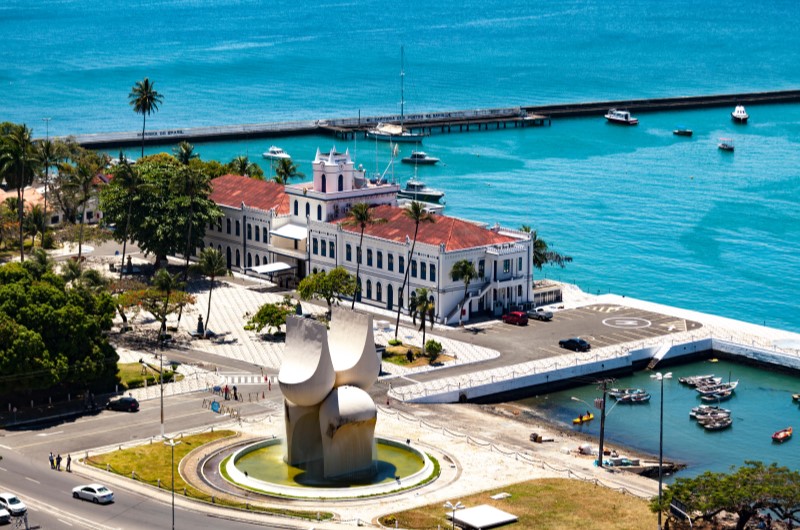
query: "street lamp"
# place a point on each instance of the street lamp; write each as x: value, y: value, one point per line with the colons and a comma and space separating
x: 172, y: 443
x: 450, y: 506
x: 660, y: 377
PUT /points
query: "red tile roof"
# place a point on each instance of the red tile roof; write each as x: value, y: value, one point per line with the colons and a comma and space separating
x: 233, y: 190
x: 454, y: 233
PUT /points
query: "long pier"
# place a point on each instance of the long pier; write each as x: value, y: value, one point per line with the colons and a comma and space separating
x: 433, y: 122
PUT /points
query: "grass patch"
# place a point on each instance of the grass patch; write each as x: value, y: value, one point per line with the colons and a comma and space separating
x: 130, y: 375
x: 398, y: 355
x: 547, y: 504
x: 153, y: 461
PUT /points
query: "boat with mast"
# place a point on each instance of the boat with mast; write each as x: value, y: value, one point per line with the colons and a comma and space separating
x: 391, y: 132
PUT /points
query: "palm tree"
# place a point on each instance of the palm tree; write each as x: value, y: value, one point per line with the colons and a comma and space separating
x: 81, y: 181
x: 49, y: 153
x: 241, y: 165
x: 360, y: 215
x: 34, y: 222
x: 417, y: 213
x: 17, y: 166
x: 542, y: 255
x: 285, y: 170
x: 465, y: 271
x: 184, y: 152
x: 211, y: 264
x: 144, y: 99
x: 128, y: 178
x: 423, y: 307
x: 167, y: 284
x: 39, y: 263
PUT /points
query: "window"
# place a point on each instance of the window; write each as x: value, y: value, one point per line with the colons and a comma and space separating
x: 249, y: 260
x: 481, y: 268
x: 89, y: 215
x: 519, y: 290
x: 324, y: 183
x: 519, y: 263
x: 296, y: 208
x: 323, y: 249
x: 238, y: 227
x: 315, y: 246
x: 258, y: 233
x: 219, y: 225
x: 308, y: 209
x: 258, y: 260
x: 378, y: 292
x: 369, y: 289
x: 238, y: 259
x: 413, y: 268
x: 249, y: 231
x: 319, y: 212
x: 54, y: 220
x: 433, y: 272
x: 423, y: 271
x: 390, y: 262
x: 341, y: 182
x: 348, y: 252
x: 401, y: 265
x: 369, y: 259
x: 331, y: 248
x: 227, y: 226
x: 506, y: 265
x: 380, y: 261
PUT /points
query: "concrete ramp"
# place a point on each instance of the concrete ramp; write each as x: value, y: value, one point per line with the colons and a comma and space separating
x: 660, y: 353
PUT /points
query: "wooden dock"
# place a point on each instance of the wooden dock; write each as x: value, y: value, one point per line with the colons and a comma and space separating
x: 433, y: 122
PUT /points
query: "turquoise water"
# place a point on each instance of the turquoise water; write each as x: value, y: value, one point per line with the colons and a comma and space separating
x: 761, y: 405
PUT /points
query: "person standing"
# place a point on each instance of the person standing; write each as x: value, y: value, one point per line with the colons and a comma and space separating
x: 235, y: 394
x: 52, y: 461
x: 69, y: 463
x: 58, y: 462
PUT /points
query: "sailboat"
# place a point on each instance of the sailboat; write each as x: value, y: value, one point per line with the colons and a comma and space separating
x: 392, y: 132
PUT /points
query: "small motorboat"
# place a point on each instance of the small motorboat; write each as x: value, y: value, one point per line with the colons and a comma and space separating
x: 275, y: 153
x: 739, y: 115
x: 634, y: 398
x: 717, y: 388
x: 419, y: 158
x: 682, y: 131
x: 712, y: 416
x: 796, y: 397
x: 717, y: 396
x: 583, y: 418
x: 617, y: 393
x: 725, y: 144
x: 717, y: 424
x: 622, y: 117
x: 700, y: 380
x: 702, y: 410
x: 782, y: 435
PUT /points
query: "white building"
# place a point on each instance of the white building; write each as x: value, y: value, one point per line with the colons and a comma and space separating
x: 303, y: 228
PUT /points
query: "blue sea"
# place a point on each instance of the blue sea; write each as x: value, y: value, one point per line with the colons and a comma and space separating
x: 642, y: 212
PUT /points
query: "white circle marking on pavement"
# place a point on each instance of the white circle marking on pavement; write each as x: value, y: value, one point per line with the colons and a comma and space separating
x: 627, y: 323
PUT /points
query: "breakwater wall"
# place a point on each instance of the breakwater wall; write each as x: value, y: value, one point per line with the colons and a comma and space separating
x: 431, y: 122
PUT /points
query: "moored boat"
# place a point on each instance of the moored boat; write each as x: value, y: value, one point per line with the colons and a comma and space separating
x: 634, y: 398
x: 275, y: 153
x: 796, y: 397
x: 717, y: 388
x: 717, y: 396
x: 682, y: 131
x: 419, y: 158
x: 718, y: 424
x: 782, y: 435
x: 622, y: 117
x: 739, y: 115
x: 725, y: 144
x: 389, y: 132
x: 418, y: 191
x: 706, y: 409
x: 617, y: 393
x: 700, y: 380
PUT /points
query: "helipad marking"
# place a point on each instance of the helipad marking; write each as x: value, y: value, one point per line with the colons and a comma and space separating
x: 627, y: 323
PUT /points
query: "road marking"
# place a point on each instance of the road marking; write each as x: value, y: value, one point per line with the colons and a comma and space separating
x: 32, y: 480
x: 49, y: 433
x: 64, y: 522
x: 5, y: 447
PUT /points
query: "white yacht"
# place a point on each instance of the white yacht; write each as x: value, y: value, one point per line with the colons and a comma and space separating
x: 621, y: 116
x: 275, y: 153
x: 739, y: 115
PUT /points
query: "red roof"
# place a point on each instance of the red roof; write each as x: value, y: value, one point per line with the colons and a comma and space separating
x: 454, y: 233
x: 233, y: 190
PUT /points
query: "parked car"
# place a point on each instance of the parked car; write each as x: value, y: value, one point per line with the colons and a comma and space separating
x: 540, y: 314
x: 12, y: 504
x: 125, y: 404
x: 97, y: 493
x: 516, y: 317
x: 575, y: 344
x: 5, y: 517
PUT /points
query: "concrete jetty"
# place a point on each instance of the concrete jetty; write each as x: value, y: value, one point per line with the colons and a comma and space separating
x: 430, y: 122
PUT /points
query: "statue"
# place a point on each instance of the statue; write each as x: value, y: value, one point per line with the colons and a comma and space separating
x: 200, y: 328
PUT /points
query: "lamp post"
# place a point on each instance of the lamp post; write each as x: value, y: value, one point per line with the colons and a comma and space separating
x: 172, y: 443
x: 603, y: 415
x: 660, y: 377
x: 450, y: 506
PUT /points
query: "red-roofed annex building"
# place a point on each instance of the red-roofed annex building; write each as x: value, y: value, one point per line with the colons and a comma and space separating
x: 302, y: 229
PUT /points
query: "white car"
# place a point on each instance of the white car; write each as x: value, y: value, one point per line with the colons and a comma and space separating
x: 5, y: 517
x: 11, y: 503
x: 97, y: 493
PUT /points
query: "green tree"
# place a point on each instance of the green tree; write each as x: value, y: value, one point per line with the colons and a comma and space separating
x: 211, y: 265
x: 417, y: 213
x: 184, y: 153
x: 49, y: 153
x: 270, y: 316
x: 423, y: 307
x: 18, y: 167
x: 80, y: 180
x: 360, y: 215
x: 34, y: 222
x: 39, y: 263
x: 167, y: 284
x: 329, y: 286
x: 542, y: 255
x: 159, y: 206
x: 465, y: 271
x: 241, y: 165
x: 285, y: 170
x: 144, y: 99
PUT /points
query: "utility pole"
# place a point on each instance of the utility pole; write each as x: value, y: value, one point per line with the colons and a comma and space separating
x: 602, y: 424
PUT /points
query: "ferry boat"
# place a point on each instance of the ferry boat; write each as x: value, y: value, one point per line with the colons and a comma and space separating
x: 418, y: 191
x: 275, y: 153
x: 419, y: 158
x: 622, y: 117
x: 739, y: 115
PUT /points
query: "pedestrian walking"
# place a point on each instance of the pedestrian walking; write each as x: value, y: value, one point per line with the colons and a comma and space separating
x: 69, y: 463
x: 58, y: 463
x: 225, y: 392
x: 235, y: 394
x: 52, y: 461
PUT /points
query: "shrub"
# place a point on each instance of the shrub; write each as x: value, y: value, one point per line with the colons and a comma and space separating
x: 433, y: 349
x: 395, y: 342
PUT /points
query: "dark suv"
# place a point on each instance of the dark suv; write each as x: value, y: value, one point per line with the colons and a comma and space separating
x: 125, y: 404
x: 575, y: 344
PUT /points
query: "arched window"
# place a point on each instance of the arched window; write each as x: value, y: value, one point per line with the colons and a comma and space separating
x: 296, y: 208
x: 249, y: 260
x: 258, y: 260
x: 319, y: 212
x: 315, y: 245
x: 401, y: 266
x: 378, y: 292
x: 258, y: 233
x: 227, y: 226
x: 324, y: 248
x: 331, y: 248
x: 389, y: 295
x: 249, y: 231
x: 341, y: 182
x: 423, y: 270
x: 238, y: 258
x: 238, y: 227
x: 308, y: 209
x: 413, y: 268
x: 390, y: 262
x: 369, y: 289
x: 433, y: 272
x: 348, y: 252
x: 324, y: 183
x: 369, y: 258
x: 481, y: 268
x: 380, y: 261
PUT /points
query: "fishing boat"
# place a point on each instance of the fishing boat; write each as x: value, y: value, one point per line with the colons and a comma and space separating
x: 725, y: 144
x: 712, y: 416
x: 705, y: 409
x: 275, y: 153
x: 617, y: 393
x: 682, y: 131
x: 782, y: 435
x: 717, y: 388
x: 739, y: 115
x: 717, y: 396
x: 718, y: 425
x: 634, y: 398
x: 700, y: 380
x: 622, y: 117
x: 583, y: 418
x: 419, y: 158
x: 418, y: 191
